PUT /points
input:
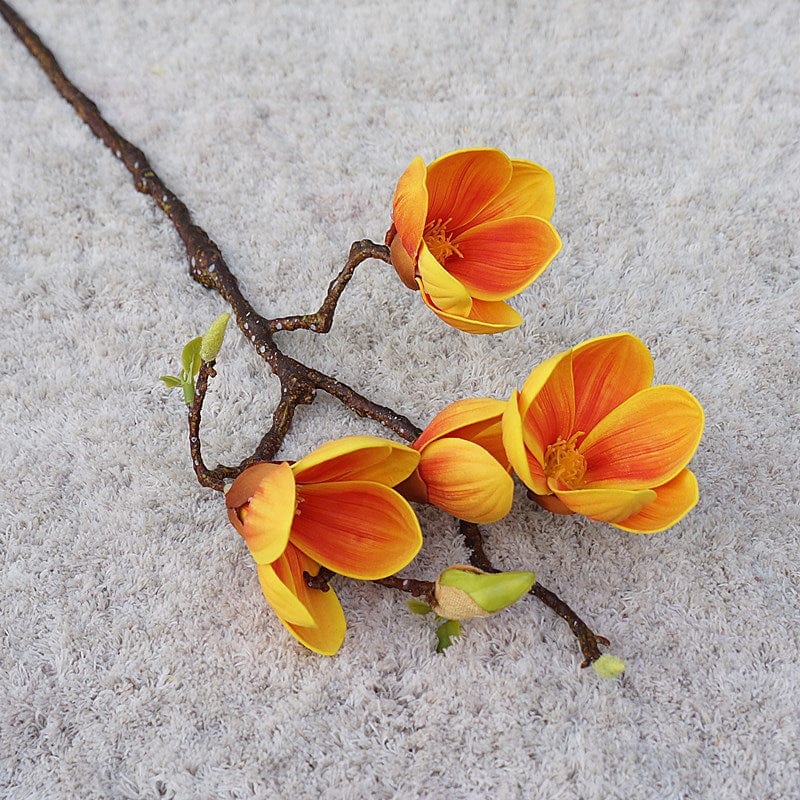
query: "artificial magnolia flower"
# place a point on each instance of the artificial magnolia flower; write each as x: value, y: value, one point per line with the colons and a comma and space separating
x: 333, y: 508
x: 463, y: 468
x: 471, y: 230
x: 588, y: 434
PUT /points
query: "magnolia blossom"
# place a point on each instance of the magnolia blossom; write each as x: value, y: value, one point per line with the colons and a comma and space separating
x: 463, y: 467
x: 471, y: 230
x: 590, y: 435
x: 334, y: 508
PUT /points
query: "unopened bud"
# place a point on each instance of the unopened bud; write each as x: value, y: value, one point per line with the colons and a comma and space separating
x: 212, y: 338
x: 464, y: 592
x: 608, y: 666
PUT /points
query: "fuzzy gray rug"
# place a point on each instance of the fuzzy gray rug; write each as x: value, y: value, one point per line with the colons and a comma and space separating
x: 138, y: 657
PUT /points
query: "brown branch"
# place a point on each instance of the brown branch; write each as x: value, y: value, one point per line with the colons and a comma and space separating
x: 206, y: 477
x: 321, y: 320
x: 413, y: 587
x: 588, y: 640
x: 208, y: 267
x: 299, y: 383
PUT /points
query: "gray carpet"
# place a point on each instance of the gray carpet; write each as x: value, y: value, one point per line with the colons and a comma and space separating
x: 138, y: 657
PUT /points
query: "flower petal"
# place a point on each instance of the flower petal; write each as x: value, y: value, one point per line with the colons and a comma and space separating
x: 461, y: 183
x: 503, y: 256
x: 463, y: 419
x: 322, y: 626
x: 605, y: 505
x: 530, y: 192
x: 483, y: 317
x: 266, y: 519
x: 524, y: 463
x: 607, y: 371
x: 243, y: 488
x: 673, y: 501
x: 550, y: 503
x: 410, y: 206
x: 445, y: 291
x: 404, y: 265
x: 356, y: 528
x: 464, y: 480
x: 357, y: 458
x: 548, y: 405
x: 279, y: 587
x: 645, y: 442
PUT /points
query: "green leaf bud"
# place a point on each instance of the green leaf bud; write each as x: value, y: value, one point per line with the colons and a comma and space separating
x: 445, y: 633
x: 608, y: 666
x: 212, y: 338
x: 418, y: 607
x: 170, y: 381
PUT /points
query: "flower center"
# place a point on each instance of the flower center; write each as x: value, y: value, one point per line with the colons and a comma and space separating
x: 564, y: 463
x: 439, y: 241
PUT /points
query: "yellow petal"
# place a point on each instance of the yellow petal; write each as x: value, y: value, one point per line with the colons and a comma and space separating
x: 322, y: 626
x: 279, y: 588
x: 404, y: 265
x: 501, y: 257
x: 644, y: 442
x: 464, y: 480
x: 674, y: 500
x: 605, y: 505
x: 357, y: 458
x: 549, y: 502
x: 463, y: 182
x: 356, y: 528
x: 548, y: 405
x: 463, y: 419
x: 446, y: 293
x: 410, y: 206
x: 267, y: 518
x: 484, y: 316
x: 524, y: 463
x: 243, y: 488
x: 530, y: 192
x: 607, y: 371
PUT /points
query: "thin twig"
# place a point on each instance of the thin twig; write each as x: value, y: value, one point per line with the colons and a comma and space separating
x: 208, y: 267
x: 413, y: 587
x: 321, y: 320
x: 588, y: 640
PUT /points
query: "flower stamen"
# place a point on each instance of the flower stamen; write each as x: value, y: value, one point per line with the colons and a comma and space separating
x: 439, y: 241
x: 564, y: 463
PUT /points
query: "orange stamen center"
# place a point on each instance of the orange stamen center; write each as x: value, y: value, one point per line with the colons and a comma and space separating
x: 439, y: 240
x: 564, y: 463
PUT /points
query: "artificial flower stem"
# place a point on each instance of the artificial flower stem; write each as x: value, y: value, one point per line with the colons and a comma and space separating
x: 322, y: 320
x: 588, y: 640
x: 207, y: 266
x: 299, y: 383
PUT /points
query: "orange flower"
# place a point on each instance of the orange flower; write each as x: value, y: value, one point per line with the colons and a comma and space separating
x: 334, y: 508
x: 471, y: 230
x: 590, y: 435
x: 463, y: 467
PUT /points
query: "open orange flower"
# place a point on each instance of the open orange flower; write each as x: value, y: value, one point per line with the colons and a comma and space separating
x: 463, y: 467
x: 588, y: 434
x: 334, y: 508
x: 471, y: 230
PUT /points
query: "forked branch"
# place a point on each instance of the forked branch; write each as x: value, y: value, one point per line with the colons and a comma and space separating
x: 299, y: 383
